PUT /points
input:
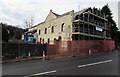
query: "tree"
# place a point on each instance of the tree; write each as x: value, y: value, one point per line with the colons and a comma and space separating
x: 95, y: 10
x: 108, y: 14
x: 10, y: 32
x: 106, y: 10
x: 5, y: 35
x: 29, y: 23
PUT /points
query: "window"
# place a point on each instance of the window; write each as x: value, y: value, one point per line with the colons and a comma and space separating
x: 62, y: 27
x: 40, y: 40
x: 48, y: 40
x: 55, y: 39
x: 39, y: 32
x: 59, y: 38
x: 45, y: 30
x: 43, y: 41
x: 52, y: 29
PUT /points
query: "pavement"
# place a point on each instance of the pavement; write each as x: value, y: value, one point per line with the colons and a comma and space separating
x: 37, y: 58
x: 20, y: 60
x: 97, y: 64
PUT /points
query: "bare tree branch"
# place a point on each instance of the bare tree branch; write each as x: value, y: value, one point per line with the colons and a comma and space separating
x: 29, y: 23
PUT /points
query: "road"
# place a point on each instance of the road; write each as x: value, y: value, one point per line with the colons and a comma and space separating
x: 97, y: 64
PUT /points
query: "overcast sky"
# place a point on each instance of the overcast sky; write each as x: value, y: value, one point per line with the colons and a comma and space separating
x: 15, y: 12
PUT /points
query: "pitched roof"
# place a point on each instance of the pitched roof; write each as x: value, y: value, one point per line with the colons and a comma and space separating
x: 51, y: 16
x: 56, y: 14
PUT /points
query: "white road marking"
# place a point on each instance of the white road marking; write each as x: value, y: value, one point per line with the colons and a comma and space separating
x: 41, y: 73
x: 45, y: 72
x: 95, y: 63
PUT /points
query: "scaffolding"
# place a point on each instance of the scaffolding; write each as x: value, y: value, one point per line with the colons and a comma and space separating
x: 88, y: 26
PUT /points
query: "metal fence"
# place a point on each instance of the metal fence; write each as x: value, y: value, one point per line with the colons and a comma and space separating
x: 78, y: 47
x: 13, y: 50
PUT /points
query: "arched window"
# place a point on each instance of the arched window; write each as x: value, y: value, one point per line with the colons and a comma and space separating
x: 40, y: 40
x: 39, y: 32
x: 52, y: 29
x: 45, y: 30
x: 59, y: 38
x: 55, y: 39
x: 62, y: 27
x: 48, y: 40
x: 43, y: 41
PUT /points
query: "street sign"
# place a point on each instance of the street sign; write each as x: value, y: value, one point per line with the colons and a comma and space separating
x: 99, y: 29
x: 28, y: 38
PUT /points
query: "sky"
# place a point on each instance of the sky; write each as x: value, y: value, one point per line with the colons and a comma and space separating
x: 16, y: 12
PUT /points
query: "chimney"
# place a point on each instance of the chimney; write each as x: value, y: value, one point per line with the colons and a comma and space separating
x: 50, y: 10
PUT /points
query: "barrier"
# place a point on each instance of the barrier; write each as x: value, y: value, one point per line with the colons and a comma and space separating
x: 43, y: 55
x: 79, y: 47
x: 29, y: 55
x: 89, y: 52
x: 56, y: 48
x: 22, y: 50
